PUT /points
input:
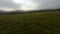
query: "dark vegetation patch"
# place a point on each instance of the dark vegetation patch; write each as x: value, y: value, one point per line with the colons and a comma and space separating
x: 31, y: 23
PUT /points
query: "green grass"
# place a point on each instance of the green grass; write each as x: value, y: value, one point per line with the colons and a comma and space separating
x: 33, y: 23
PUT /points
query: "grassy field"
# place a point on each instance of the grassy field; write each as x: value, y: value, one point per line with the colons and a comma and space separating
x: 32, y: 23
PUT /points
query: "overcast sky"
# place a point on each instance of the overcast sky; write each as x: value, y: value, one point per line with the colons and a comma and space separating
x: 42, y: 4
x: 8, y: 4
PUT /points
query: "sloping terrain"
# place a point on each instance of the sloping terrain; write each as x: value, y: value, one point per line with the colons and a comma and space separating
x: 32, y: 23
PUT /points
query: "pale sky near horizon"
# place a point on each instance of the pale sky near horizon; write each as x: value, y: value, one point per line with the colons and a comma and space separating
x: 29, y: 4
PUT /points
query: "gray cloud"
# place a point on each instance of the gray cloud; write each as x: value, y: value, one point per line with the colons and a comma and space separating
x: 43, y: 4
x: 48, y: 4
x: 9, y: 4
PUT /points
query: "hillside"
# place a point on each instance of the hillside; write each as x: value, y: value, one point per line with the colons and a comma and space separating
x: 31, y: 23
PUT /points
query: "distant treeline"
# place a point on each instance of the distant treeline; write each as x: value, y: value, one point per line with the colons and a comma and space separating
x: 22, y: 12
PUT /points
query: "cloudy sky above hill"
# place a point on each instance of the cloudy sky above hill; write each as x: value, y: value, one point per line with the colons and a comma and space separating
x: 29, y: 4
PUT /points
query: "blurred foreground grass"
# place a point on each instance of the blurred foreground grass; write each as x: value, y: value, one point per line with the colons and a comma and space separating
x: 33, y: 23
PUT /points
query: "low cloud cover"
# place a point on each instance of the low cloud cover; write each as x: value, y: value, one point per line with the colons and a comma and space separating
x: 8, y: 4
x: 42, y: 4
x: 48, y: 4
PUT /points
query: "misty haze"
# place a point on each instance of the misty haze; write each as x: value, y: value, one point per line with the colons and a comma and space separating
x: 29, y: 4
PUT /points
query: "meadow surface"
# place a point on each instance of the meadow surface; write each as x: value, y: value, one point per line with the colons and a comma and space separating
x: 32, y: 23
